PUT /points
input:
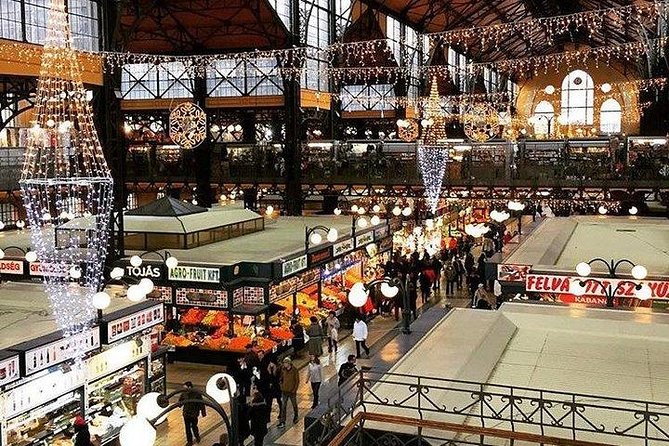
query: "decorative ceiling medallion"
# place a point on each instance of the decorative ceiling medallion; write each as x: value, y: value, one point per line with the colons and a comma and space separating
x: 481, y: 122
x: 188, y: 125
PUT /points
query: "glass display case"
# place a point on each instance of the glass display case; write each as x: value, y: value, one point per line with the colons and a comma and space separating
x: 47, y: 424
x: 113, y: 399
x: 158, y: 371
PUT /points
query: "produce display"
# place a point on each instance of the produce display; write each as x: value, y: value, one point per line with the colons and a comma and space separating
x: 209, y: 329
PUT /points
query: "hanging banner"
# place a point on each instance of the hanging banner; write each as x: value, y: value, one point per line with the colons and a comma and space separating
x: 546, y: 283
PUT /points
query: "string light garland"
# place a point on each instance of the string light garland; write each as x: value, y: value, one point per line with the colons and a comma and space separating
x: 65, y: 181
x: 433, y: 122
x: 432, y: 161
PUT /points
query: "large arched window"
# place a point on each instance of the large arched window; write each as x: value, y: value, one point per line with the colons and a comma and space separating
x: 578, y: 97
x: 544, y: 117
x: 610, y: 117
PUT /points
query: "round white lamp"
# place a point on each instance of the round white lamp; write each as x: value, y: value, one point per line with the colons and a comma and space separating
x: 644, y: 293
x: 171, y: 262
x: 148, y: 407
x: 269, y: 210
x: 397, y: 211
x: 337, y: 211
x: 315, y: 238
x: 137, y: 431
x: 75, y: 272
x: 362, y: 223
x: 333, y: 235
x: 116, y: 273
x: 354, y: 208
x: 633, y: 210
x: 2, y: 254
x: 576, y: 289
x: 583, y: 269
x: 357, y: 296
x: 135, y: 293
x: 31, y: 256
x: 146, y: 285
x: 406, y: 211
x: 136, y: 261
x: 220, y: 387
x: 375, y: 220
x: 389, y: 290
x: 602, y: 210
x: 376, y: 209
x: 639, y: 272
x: 101, y: 300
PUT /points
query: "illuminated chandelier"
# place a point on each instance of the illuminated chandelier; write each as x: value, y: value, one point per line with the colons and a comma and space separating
x: 65, y: 182
x: 432, y: 162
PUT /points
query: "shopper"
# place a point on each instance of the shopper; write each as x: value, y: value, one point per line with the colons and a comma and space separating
x: 259, y: 417
x: 81, y: 436
x: 332, y: 326
x: 360, y: 334
x: 425, y: 285
x: 274, y: 385
x: 451, y: 276
x: 315, y: 334
x: 290, y: 381
x: 191, y: 411
x: 347, y: 370
x: 479, y: 295
x: 298, y: 335
x: 315, y: 378
x: 436, y: 267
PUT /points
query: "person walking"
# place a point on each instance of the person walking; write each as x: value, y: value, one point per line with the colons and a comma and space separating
x: 315, y: 378
x: 332, y: 326
x: 274, y: 385
x: 479, y: 295
x: 81, y: 436
x: 360, y: 334
x: 290, y: 381
x: 347, y: 370
x: 451, y: 277
x: 315, y: 333
x: 425, y: 285
x: 436, y: 267
x: 193, y: 406
x: 259, y: 417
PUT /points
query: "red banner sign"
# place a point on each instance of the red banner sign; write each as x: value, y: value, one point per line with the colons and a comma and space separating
x: 546, y: 283
x: 507, y: 272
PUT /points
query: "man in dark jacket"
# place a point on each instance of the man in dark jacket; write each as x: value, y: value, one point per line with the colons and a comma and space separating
x: 192, y: 407
x: 347, y: 370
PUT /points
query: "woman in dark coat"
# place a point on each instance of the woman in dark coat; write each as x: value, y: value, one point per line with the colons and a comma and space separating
x: 315, y: 332
x: 82, y: 437
x: 259, y: 417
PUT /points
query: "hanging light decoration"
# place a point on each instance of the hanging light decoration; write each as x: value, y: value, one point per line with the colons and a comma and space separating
x: 65, y: 173
x: 432, y: 162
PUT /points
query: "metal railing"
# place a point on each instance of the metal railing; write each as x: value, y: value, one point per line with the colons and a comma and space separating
x: 546, y: 413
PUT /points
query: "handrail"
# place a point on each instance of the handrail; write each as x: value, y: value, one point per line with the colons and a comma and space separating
x: 361, y: 417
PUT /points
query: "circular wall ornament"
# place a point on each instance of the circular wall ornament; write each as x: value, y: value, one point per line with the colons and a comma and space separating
x: 188, y: 125
x: 481, y: 122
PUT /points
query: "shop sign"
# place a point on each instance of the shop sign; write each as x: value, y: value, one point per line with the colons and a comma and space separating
x: 386, y: 244
x: 294, y: 265
x: 342, y: 247
x: 195, y: 274
x: 11, y: 267
x: 118, y: 357
x: 45, y: 356
x: 136, y: 322
x: 507, y: 272
x: 9, y: 370
x: 363, y: 239
x: 320, y: 256
x: 545, y: 283
x: 41, y: 390
x: 381, y: 232
x: 49, y: 269
x: 146, y: 270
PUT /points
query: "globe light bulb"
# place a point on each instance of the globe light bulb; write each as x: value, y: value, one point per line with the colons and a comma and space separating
x: 639, y: 272
x: 146, y: 285
x: 136, y: 261
x: 602, y: 210
x: 375, y: 220
x: 406, y: 211
x: 606, y: 87
x: 583, y: 269
x: 376, y: 209
x: 20, y: 224
x: 137, y: 431
x: 361, y: 210
x: 333, y: 235
x: 171, y: 262
x: 337, y: 211
x: 633, y: 210
x: 148, y: 406
x: 576, y: 288
x: 269, y: 210
x: 135, y: 293
x: 362, y: 223
x: 2, y: 254
x: 388, y: 290
x: 358, y: 295
x: 315, y: 238
x: 354, y: 208
x: 220, y: 387
x: 2, y: 225
x: 549, y: 89
x: 101, y: 300
x: 116, y: 273
x: 397, y: 211
x: 31, y: 256
x: 644, y: 293
x: 75, y: 272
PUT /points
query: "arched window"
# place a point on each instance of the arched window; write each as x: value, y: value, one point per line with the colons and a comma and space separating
x: 578, y: 97
x: 610, y: 117
x: 544, y: 117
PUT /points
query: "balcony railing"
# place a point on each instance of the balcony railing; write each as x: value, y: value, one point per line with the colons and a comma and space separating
x: 509, y: 411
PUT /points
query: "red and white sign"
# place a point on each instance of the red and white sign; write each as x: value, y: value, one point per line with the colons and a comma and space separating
x: 11, y: 267
x: 49, y: 269
x: 507, y: 272
x: 546, y: 283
